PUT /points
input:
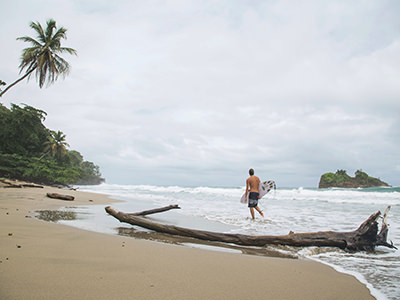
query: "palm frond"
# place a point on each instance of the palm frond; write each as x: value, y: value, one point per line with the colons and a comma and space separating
x: 62, y: 64
x: 60, y: 34
x: 39, y: 30
x: 29, y: 40
x: 51, y: 25
x: 68, y: 50
x: 28, y: 62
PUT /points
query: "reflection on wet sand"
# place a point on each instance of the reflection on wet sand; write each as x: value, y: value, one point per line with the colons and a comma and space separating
x: 179, y: 240
x: 56, y: 215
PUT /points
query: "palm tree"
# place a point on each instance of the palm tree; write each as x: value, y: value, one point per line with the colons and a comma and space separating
x: 56, y: 145
x: 43, y: 57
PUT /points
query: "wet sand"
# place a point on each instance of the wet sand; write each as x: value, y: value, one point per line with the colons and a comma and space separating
x: 42, y: 260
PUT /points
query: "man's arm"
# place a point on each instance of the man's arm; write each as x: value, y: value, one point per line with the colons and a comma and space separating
x: 247, y: 190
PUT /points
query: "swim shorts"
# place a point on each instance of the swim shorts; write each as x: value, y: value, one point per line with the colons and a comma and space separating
x: 253, y: 199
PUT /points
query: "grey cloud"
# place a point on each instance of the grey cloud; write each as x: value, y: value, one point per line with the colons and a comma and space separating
x: 197, y: 93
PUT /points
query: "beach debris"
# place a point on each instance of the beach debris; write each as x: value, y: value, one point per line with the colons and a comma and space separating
x: 60, y: 196
x: 366, y: 237
x: 17, y: 184
x: 10, y: 234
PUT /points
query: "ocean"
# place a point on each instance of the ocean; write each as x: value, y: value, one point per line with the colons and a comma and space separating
x: 286, y: 209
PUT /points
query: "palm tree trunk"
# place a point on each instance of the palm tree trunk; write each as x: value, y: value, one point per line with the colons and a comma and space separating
x: 18, y: 80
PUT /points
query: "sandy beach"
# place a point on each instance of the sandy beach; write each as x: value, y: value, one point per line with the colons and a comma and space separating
x: 43, y: 260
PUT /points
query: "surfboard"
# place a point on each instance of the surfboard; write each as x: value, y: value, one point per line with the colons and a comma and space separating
x: 263, y: 188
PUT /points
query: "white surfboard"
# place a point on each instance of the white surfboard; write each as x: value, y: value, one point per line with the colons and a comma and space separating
x: 263, y: 188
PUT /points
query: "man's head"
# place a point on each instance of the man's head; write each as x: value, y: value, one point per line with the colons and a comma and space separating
x: 251, y: 172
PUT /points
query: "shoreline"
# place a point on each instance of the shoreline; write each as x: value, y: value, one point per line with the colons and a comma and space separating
x: 44, y: 260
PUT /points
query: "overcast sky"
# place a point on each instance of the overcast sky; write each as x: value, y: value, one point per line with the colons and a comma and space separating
x: 195, y: 93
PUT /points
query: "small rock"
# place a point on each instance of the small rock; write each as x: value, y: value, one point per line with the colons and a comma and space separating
x: 10, y: 234
x: 19, y: 246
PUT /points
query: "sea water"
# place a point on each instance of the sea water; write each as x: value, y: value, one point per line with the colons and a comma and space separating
x: 285, y: 210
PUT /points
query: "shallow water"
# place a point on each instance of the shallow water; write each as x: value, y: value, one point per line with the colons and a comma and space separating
x: 286, y: 209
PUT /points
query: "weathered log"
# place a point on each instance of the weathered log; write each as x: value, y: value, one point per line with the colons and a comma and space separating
x: 59, y: 196
x: 154, y: 211
x: 33, y: 185
x: 15, y: 184
x: 364, y: 238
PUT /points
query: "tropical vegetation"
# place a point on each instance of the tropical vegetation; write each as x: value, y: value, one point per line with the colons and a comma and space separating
x: 43, y: 55
x: 342, y: 180
x: 30, y: 151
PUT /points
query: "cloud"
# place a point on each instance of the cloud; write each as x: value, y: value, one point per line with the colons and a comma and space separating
x: 196, y: 92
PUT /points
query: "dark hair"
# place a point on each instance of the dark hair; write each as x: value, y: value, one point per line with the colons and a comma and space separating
x: 251, y: 172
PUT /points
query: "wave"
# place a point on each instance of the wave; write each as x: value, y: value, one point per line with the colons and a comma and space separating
x: 380, y: 195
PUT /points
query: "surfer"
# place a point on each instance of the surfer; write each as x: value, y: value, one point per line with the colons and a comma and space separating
x: 252, y: 190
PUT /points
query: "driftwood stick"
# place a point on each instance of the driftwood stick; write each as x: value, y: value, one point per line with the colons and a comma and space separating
x: 59, y: 196
x: 364, y: 238
x: 154, y: 211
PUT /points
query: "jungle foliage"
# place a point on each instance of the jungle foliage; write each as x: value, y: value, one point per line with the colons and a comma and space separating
x: 30, y: 151
x: 335, y: 178
x: 341, y: 179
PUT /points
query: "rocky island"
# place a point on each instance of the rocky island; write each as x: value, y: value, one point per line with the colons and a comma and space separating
x: 340, y: 179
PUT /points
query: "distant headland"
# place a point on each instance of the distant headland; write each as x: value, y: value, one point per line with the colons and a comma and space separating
x: 340, y: 179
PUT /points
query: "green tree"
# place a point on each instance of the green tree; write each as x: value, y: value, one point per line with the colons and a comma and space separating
x: 341, y: 172
x: 21, y: 130
x: 361, y: 177
x: 43, y: 56
x: 73, y: 158
x: 56, y: 145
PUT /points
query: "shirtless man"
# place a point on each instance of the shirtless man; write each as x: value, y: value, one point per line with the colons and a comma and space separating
x: 252, y: 187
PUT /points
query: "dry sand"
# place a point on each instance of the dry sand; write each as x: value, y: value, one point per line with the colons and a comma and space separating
x: 42, y: 260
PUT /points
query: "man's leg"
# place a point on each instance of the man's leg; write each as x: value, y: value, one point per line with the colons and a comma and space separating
x: 252, y: 212
x: 259, y: 210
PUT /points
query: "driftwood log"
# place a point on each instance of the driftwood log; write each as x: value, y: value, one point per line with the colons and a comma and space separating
x: 60, y: 196
x: 16, y: 184
x: 366, y: 237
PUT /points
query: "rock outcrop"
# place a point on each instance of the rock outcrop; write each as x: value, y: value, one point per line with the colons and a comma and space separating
x: 340, y: 179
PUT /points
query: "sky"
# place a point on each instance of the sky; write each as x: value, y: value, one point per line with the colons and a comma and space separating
x: 194, y: 93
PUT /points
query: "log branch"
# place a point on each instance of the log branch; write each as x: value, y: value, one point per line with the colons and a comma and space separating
x: 382, y: 235
x: 364, y: 238
x: 154, y: 211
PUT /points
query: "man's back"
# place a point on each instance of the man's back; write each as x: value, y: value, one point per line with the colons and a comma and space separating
x: 253, y: 182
